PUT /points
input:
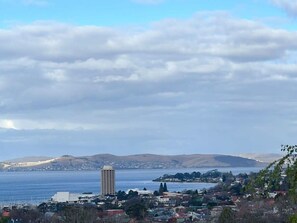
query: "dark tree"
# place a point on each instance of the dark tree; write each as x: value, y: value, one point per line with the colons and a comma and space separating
x: 179, y: 176
x: 136, y: 208
x: 156, y: 193
x: 4, y: 220
x: 196, y: 201
x: 121, y: 195
x: 25, y: 215
x: 227, y: 216
x: 161, y: 189
x: 165, y: 187
x: 79, y: 214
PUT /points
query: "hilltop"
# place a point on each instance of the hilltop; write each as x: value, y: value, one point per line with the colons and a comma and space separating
x: 262, y: 157
x: 143, y: 161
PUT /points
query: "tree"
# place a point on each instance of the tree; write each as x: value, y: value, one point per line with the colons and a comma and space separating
x: 79, y: 214
x: 121, y: 195
x: 227, y: 216
x: 161, y: 189
x: 270, y: 178
x: 25, y: 215
x: 179, y: 176
x: 4, y: 220
x: 195, y: 175
x: 293, y: 218
x: 236, y: 189
x: 196, y: 200
x: 132, y: 194
x: 165, y: 187
x: 136, y: 208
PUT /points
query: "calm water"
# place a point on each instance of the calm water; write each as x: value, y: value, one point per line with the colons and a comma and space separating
x: 35, y: 187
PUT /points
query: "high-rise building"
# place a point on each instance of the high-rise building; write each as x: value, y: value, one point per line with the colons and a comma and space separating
x: 107, y: 180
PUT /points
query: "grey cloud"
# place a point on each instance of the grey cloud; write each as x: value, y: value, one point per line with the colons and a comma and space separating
x: 217, y: 37
x: 289, y: 6
x: 169, y: 84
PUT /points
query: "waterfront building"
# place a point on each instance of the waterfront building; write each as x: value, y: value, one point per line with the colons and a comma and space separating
x: 140, y: 192
x: 107, y: 180
x: 67, y: 197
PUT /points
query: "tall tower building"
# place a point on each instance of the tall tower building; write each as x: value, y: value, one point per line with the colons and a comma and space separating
x: 107, y: 180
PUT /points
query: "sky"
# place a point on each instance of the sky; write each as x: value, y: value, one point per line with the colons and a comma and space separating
x: 147, y: 76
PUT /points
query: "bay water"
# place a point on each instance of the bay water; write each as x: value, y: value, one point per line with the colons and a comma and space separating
x: 35, y: 187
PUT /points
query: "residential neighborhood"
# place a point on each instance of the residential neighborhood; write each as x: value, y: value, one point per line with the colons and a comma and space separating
x: 229, y: 201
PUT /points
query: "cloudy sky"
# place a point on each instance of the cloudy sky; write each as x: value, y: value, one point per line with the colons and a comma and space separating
x: 147, y: 76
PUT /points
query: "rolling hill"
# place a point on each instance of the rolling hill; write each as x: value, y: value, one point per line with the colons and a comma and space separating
x: 143, y: 161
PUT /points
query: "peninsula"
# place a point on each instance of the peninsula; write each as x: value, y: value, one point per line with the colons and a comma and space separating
x: 139, y: 161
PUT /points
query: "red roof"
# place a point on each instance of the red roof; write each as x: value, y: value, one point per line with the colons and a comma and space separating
x: 114, y: 212
x: 5, y: 214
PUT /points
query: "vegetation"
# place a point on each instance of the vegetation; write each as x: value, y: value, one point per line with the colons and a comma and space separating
x: 121, y: 195
x: 79, y: 214
x: 4, y: 220
x: 280, y: 175
x: 142, y: 161
x: 136, y: 209
x: 212, y: 176
x: 162, y: 189
x: 264, y: 197
x: 227, y: 216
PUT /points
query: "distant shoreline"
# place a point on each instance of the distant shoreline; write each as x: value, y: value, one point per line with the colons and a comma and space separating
x: 139, y: 161
x: 175, y: 168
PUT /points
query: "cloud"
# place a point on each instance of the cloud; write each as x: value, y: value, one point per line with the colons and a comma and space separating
x: 7, y: 124
x: 289, y: 6
x: 56, y: 75
x: 185, y: 81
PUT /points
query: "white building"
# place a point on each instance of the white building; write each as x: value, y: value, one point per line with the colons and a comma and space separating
x: 62, y: 197
x: 141, y: 192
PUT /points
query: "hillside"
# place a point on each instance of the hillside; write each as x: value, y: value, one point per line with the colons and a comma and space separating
x: 262, y: 157
x: 29, y: 159
x: 143, y: 161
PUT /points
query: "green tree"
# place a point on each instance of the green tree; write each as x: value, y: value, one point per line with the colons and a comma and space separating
x: 161, y: 189
x: 79, y: 214
x: 227, y: 216
x: 179, y: 176
x: 293, y: 218
x: 137, y: 211
x: 271, y: 178
x: 165, y: 187
x: 4, y: 220
x: 156, y: 193
x: 136, y: 208
x: 196, y: 201
x: 132, y: 194
x: 121, y: 195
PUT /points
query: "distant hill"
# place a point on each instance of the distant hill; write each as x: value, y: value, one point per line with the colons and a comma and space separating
x: 262, y: 157
x: 29, y: 159
x: 143, y: 161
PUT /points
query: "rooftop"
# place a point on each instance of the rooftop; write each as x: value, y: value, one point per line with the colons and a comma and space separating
x: 107, y: 168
